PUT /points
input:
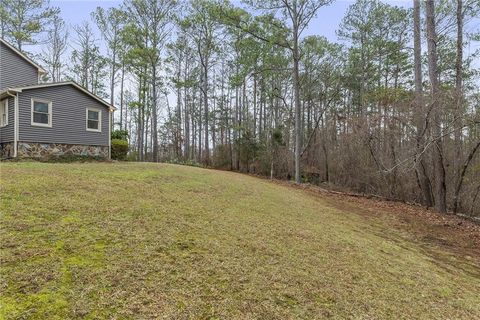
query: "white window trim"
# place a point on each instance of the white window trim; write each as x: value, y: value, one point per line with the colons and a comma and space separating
x: 5, y: 103
x: 50, y: 114
x: 99, y: 120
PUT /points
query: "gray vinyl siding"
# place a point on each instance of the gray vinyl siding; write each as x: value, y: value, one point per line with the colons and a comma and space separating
x: 69, y: 107
x: 14, y: 70
x: 7, y: 132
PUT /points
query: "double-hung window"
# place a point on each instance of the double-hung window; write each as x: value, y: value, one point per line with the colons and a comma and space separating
x: 94, y: 120
x: 3, y: 113
x: 41, y: 113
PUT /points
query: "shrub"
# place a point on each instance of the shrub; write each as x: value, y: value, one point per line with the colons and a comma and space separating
x: 120, y: 134
x: 119, y: 149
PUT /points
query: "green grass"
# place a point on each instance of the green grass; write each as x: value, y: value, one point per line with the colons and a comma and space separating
x: 145, y: 241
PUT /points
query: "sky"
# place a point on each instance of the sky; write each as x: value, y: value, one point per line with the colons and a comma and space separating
x: 325, y: 24
x: 76, y: 11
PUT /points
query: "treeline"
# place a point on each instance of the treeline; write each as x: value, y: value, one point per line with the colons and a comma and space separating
x: 392, y: 109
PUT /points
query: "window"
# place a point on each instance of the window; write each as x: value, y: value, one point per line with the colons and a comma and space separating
x: 94, y: 120
x: 4, y: 113
x: 41, y: 113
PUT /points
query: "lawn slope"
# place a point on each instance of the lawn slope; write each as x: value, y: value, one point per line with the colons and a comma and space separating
x: 145, y: 241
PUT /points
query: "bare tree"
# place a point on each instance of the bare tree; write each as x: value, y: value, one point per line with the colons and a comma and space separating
x: 56, y: 45
x: 110, y: 24
x: 420, y: 118
x: 89, y: 66
x: 458, y: 92
x: 439, y: 169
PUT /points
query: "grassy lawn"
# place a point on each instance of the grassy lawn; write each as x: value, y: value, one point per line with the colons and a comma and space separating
x: 145, y: 241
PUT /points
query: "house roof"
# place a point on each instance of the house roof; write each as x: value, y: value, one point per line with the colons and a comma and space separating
x: 22, y: 55
x: 64, y: 83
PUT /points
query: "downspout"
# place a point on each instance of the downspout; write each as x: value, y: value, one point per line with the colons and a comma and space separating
x: 110, y: 114
x: 16, y: 127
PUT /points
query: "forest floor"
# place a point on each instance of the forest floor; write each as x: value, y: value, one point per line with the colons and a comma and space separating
x: 145, y: 241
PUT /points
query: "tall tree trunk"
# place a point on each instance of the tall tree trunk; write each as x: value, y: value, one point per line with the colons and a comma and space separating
x: 439, y: 169
x: 205, y: 103
x: 296, y: 88
x: 423, y: 180
x: 112, y: 76
x: 213, y: 122
x: 139, y: 119
x: 255, y: 102
x: 178, y: 120
x: 236, y: 130
x: 154, y: 114
x: 260, y: 111
x: 200, y: 126
x: 193, y: 125
x: 122, y: 81
x: 187, y: 116
x: 458, y: 94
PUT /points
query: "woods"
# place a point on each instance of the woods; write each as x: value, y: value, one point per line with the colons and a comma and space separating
x: 391, y: 108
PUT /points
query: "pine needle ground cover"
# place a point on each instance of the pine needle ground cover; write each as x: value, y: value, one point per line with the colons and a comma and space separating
x: 145, y: 241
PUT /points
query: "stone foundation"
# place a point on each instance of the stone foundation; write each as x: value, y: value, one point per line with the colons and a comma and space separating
x: 6, y: 150
x: 52, y: 150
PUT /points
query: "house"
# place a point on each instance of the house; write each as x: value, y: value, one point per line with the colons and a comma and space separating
x: 40, y: 120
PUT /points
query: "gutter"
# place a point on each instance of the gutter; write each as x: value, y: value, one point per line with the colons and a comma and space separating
x: 8, y: 92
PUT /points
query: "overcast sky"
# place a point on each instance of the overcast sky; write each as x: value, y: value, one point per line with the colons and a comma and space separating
x: 325, y: 24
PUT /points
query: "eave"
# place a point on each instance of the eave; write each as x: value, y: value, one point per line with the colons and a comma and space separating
x: 65, y: 83
x: 41, y: 71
